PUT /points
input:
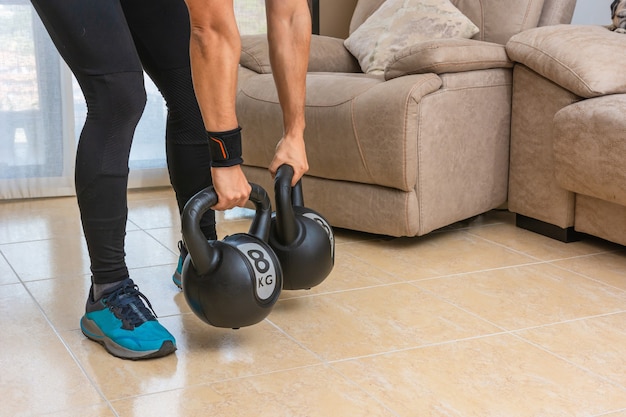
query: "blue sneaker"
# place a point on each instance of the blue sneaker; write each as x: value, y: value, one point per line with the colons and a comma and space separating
x: 177, y: 277
x: 121, y: 322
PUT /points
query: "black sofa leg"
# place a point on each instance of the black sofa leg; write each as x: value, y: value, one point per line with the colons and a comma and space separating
x: 566, y: 235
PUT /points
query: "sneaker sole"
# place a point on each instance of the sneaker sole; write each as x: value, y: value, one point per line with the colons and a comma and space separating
x: 93, y: 332
x: 177, y: 280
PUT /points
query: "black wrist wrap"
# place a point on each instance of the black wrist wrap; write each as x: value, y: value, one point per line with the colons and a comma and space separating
x: 225, y: 148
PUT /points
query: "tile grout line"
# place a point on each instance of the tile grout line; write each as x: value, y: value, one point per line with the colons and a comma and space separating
x: 12, y: 269
x: 505, y: 330
x: 69, y: 350
x: 534, y: 257
x: 582, y: 368
x: 328, y: 364
x: 590, y: 278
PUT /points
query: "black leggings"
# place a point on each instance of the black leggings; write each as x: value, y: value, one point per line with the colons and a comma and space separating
x: 107, y: 45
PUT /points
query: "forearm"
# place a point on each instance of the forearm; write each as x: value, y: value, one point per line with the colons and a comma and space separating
x: 289, y: 36
x: 215, y: 47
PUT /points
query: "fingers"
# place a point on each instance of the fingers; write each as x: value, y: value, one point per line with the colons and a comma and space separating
x: 298, y: 170
x: 229, y: 201
x: 231, y: 186
x: 290, y: 152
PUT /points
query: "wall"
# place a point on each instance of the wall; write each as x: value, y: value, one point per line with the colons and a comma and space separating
x: 335, y: 17
x: 592, y: 12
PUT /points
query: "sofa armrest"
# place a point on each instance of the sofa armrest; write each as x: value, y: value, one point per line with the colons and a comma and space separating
x: 447, y: 55
x: 327, y: 54
x: 587, y: 60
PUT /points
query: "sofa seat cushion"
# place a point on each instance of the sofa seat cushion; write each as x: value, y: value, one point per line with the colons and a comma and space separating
x: 586, y: 60
x: 590, y: 148
x: 364, y: 127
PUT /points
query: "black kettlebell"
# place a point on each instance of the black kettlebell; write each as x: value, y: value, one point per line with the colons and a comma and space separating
x: 301, y: 238
x: 234, y: 282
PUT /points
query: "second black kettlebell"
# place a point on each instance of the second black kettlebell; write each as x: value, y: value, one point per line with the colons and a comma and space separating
x: 234, y: 282
x: 301, y: 238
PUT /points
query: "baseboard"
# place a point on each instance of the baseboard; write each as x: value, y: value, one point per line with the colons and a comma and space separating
x: 566, y: 235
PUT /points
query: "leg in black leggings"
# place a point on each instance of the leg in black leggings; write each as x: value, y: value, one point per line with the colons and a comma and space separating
x: 94, y: 39
x: 95, y: 42
x: 164, y: 52
x: 107, y: 59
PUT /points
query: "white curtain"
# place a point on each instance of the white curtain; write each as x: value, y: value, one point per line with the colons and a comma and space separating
x: 42, y: 109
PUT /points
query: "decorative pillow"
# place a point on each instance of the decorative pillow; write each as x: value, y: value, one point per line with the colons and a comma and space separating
x: 401, y: 23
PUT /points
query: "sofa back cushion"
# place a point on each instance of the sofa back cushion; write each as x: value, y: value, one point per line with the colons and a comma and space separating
x: 556, y: 12
x: 363, y: 10
x: 497, y: 20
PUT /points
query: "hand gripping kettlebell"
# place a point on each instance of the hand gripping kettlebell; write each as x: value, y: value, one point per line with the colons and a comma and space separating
x: 301, y: 238
x: 234, y: 282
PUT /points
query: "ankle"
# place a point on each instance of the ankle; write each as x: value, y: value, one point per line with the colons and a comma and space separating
x: 101, y: 289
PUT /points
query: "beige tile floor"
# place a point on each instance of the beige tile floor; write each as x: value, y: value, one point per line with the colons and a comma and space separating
x: 478, y: 319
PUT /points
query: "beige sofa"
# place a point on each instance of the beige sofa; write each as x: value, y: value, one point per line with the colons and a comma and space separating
x: 404, y: 153
x: 568, y: 140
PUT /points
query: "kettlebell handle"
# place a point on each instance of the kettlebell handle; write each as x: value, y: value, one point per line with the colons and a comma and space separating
x: 287, y: 197
x: 284, y: 175
x: 203, y: 256
x: 260, y: 226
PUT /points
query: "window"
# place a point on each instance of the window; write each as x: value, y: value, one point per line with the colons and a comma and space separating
x: 31, y: 102
x: 42, y: 109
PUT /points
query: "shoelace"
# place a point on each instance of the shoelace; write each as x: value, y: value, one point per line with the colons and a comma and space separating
x: 127, y: 303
